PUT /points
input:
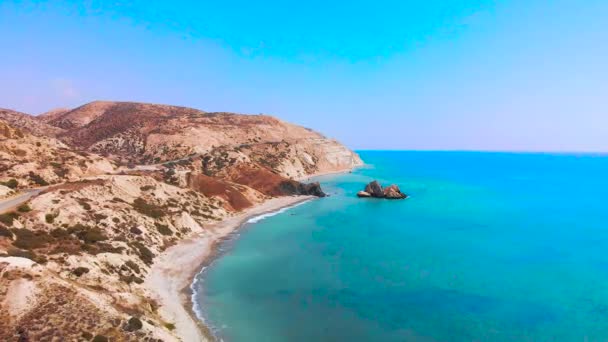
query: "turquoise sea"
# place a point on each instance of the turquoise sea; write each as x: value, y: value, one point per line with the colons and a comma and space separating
x: 490, y: 247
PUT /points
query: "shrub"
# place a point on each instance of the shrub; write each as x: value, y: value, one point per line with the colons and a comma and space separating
x: 148, y: 209
x: 5, y: 232
x: 11, y: 183
x: 24, y: 208
x: 131, y: 279
x: 133, y: 324
x: 59, y: 233
x: 8, y: 218
x: 147, y: 188
x: 132, y: 265
x: 78, y: 271
x: 163, y: 229
x: 84, y: 205
x: 170, y: 326
x: 38, y: 180
x: 27, y: 239
x: 87, y: 335
x: 135, y: 230
x: 50, y: 218
x: 91, y: 235
x: 145, y: 254
x: 100, y: 338
x: 21, y: 253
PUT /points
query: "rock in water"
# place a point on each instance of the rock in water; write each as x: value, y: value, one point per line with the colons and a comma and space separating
x: 393, y: 192
x: 313, y: 189
x: 374, y: 189
x: 363, y: 194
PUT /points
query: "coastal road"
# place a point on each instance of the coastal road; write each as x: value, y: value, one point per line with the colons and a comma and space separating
x: 11, y: 203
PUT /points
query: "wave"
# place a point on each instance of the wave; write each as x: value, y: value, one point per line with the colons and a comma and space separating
x: 260, y: 217
x: 199, y: 277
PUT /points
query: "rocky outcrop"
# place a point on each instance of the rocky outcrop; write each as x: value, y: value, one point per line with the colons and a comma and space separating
x: 374, y: 189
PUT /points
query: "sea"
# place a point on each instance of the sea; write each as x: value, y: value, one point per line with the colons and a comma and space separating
x: 488, y: 247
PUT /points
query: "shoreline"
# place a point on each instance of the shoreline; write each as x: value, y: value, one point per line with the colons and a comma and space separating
x: 173, y: 273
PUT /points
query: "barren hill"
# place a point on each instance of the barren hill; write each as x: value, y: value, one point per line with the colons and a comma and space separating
x: 129, y: 181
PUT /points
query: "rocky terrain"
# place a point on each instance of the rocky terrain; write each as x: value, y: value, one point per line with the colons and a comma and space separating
x: 374, y: 189
x: 110, y: 186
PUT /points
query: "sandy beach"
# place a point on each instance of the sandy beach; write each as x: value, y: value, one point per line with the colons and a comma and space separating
x: 173, y: 271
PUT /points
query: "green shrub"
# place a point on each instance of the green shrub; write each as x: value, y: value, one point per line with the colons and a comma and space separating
x: 38, y: 179
x: 145, y: 254
x: 50, y: 218
x: 163, y: 229
x: 84, y: 205
x: 24, y: 208
x: 27, y: 239
x: 170, y: 326
x: 148, y: 209
x: 100, y: 338
x: 5, y: 232
x: 132, y: 265
x: 78, y: 271
x: 135, y: 230
x: 21, y: 253
x: 59, y: 233
x: 131, y: 279
x: 133, y: 324
x: 91, y: 235
x: 8, y: 218
x: 11, y: 183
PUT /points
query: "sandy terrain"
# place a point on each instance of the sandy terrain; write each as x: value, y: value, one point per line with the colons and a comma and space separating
x: 173, y: 271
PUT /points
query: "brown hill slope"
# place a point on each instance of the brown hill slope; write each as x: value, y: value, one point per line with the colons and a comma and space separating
x: 149, y: 133
x: 28, y: 123
x: 28, y: 160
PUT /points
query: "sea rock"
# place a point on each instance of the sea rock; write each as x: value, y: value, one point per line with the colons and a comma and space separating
x: 374, y: 189
x: 393, y: 192
x: 363, y: 194
x: 313, y: 189
x: 292, y: 187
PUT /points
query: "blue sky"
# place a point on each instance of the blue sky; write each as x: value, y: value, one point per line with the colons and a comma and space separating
x: 465, y: 75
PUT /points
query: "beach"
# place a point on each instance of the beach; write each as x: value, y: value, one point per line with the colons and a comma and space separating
x: 173, y: 271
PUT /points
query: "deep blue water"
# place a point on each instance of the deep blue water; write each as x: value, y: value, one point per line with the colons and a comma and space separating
x: 490, y: 247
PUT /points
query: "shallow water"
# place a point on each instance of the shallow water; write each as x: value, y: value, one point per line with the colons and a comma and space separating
x: 491, y: 246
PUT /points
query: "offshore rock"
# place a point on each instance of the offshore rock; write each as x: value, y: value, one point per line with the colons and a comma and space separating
x: 374, y: 189
x: 363, y: 194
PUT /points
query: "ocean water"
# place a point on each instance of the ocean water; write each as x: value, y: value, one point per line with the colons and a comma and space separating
x: 490, y: 247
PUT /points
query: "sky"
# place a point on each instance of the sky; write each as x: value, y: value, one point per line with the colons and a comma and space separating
x: 519, y: 75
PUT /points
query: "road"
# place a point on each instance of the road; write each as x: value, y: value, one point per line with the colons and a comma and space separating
x: 12, y: 203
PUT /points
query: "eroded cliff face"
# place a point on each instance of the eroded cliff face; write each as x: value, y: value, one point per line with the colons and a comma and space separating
x: 125, y: 182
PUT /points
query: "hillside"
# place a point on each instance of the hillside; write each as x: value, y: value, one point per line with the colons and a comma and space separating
x: 111, y: 187
x: 150, y: 134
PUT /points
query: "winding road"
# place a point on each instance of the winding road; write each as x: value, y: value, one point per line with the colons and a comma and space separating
x: 11, y: 203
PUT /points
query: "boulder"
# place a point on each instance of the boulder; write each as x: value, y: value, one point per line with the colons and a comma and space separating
x: 374, y: 189
x: 363, y: 194
x: 313, y: 189
x: 393, y: 192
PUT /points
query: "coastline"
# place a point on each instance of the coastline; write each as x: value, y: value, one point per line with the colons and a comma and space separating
x: 172, y: 274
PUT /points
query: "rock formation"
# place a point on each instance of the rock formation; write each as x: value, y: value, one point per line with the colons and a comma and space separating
x: 374, y: 189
